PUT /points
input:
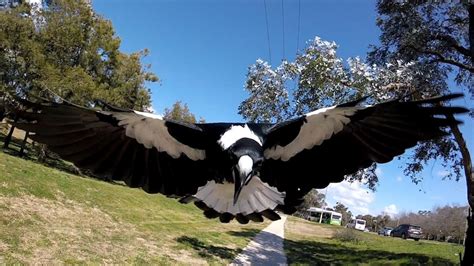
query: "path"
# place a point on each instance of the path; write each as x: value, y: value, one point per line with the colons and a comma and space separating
x: 266, y: 248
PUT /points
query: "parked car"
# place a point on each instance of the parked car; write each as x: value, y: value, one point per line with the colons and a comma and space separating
x: 385, y: 231
x: 407, y: 231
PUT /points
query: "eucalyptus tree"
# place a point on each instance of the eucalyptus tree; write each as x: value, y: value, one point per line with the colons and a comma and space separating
x: 439, y: 38
x: 318, y: 78
x: 66, y: 48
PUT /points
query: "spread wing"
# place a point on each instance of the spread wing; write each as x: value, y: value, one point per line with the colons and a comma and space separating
x: 143, y: 150
x: 324, y: 146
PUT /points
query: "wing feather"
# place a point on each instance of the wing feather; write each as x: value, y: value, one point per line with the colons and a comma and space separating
x: 121, y: 145
x: 337, y: 141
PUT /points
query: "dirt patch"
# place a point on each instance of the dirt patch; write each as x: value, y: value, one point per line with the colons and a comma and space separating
x: 50, y: 231
x: 308, y: 229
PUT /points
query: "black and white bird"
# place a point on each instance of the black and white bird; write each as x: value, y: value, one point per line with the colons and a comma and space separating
x: 235, y: 170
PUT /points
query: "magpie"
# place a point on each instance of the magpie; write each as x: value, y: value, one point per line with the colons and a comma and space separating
x: 246, y: 171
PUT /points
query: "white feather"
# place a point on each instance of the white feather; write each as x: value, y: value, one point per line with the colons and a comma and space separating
x: 320, y: 125
x: 235, y: 133
x: 151, y: 131
x: 150, y: 115
x: 256, y: 196
x: 245, y: 165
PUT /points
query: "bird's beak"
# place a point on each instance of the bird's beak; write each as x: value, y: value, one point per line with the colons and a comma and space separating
x: 239, y: 184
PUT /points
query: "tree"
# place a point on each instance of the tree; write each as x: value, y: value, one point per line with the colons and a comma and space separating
x: 445, y: 223
x: 181, y: 112
x: 439, y: 38
x: 322, y: 79
x: 67, y: 49
x: 312, y: 199
x: 346, y: 214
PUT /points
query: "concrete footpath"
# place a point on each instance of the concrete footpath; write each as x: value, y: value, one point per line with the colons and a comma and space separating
x: 266, y: 248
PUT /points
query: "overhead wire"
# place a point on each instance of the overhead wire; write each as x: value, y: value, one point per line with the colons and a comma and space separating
x: 268, y: 32
x: 296, y: 81
x: 299, y: 24
x: 283, y: 26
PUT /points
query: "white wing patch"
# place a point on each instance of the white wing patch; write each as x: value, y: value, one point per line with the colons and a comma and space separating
x: 150, y: 115
x: 235, y: 133
x: 150, y: 130
x: 256, y: 196
x: 320, y: 125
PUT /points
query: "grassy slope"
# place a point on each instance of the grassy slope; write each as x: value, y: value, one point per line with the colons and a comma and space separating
x: 308, y: 247
x: 49, y: 216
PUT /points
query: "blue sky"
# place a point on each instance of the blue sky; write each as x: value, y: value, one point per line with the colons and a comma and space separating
x: 201, y: 51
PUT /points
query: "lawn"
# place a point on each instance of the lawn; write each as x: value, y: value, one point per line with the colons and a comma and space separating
x: 48, y: 216
x: 310, y: 243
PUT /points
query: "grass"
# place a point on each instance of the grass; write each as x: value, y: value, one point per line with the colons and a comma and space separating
x: 317, y: 244
x: 49, y: 216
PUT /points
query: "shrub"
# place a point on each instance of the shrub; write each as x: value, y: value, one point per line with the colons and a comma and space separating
x: 347, y: 235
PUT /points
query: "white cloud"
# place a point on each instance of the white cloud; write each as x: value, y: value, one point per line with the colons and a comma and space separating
x: 399, y: 178
x: 391, y: 210
x: 353, y: 195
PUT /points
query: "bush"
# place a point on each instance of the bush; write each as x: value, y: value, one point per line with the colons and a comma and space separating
x: 347, y: 235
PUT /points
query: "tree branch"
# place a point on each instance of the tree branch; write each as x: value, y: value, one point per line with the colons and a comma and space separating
x: 450, y: 41
x: 440, y: 58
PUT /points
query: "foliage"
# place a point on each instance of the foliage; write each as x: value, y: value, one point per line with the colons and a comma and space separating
x: 312, y: 199
x: 68, y: 49
x: 442, y: 223
x: 180, y: 112
x: 435, y: 35
x: 347, y: 235
x: 346, y: 214
x: 319, y: 78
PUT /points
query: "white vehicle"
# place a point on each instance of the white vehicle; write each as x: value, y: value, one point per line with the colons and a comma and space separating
x: 358, y: 224
x: 324, y: 216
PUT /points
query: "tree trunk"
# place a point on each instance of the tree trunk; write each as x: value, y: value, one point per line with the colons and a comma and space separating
x: 468, y: 258
x: 23, y: 144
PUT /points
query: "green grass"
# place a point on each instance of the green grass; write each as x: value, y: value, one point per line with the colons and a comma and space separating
x: 309, y: 248
x: 49, y: 216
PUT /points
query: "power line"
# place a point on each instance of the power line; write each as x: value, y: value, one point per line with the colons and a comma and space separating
x: 283, y: 26
x: 268, y: 32
x: 299, y: 23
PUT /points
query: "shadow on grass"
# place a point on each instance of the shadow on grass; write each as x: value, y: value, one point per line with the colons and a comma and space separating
x: 208, y: 251
x: 317, y: 253
x: 245, y: 233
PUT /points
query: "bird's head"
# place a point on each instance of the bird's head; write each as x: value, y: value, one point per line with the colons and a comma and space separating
x: 247, y: 155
